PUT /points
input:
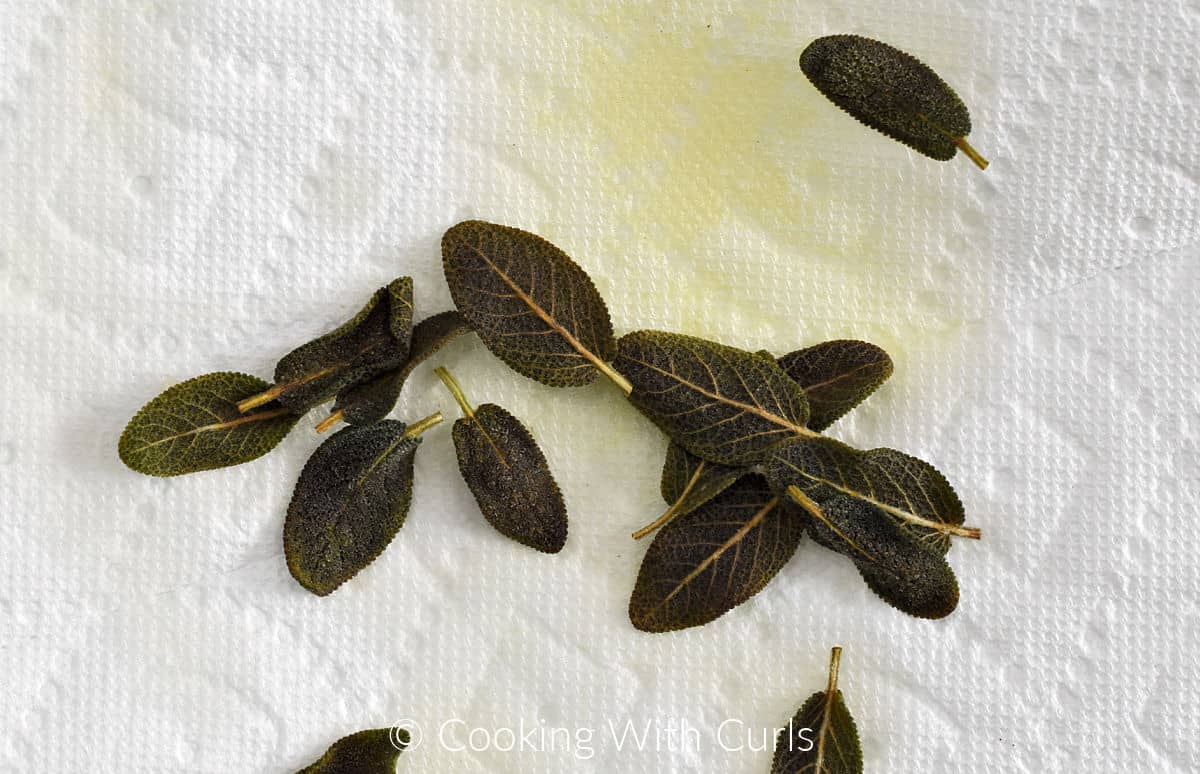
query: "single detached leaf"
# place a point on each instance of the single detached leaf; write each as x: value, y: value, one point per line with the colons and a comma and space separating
x: 371, y: 401
x: 367, y: 752
x: 529, y: 302
x: 375, y: 340
x: 892, y: 92
x: 909, y: 490
x: 836, y: 377
x: 722, y: 404
x: 822, y: 737
x: 705, y: 563
x: 689, y: 482
x: 912, y: 577
x: 196, y: 426
x: 351, y: 500
x: 507, y: 473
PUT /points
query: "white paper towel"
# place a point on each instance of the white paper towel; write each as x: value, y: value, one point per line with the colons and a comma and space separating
x: 197, y: 186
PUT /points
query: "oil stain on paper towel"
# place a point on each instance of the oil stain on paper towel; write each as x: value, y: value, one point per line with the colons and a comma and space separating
x: 712, y: 165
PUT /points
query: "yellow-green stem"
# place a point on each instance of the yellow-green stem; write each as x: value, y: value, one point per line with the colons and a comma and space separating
x: 456, y: 391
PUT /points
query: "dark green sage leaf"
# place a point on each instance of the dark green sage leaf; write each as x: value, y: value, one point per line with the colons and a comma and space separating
x: 196, y: 426
x: 507, y: 473
x: 373, y: 341
x: 351, y: 500
x: 909, y: 490
x: 836, y: 377
x: 530, y: 303
x: 908, y: 575
x: 822, y: 737
x: 687, y: 483
x: 891, y: 92
x: 722, y: 404
x: 367, y: 752
x: 705, y: 563
x: 371, y: 401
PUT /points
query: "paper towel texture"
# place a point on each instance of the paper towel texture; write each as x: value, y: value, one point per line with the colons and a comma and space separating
x: 195, y: 186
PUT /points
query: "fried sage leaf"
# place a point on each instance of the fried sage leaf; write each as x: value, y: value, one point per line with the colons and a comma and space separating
x: 351, y: 500
x: 368, y: 752
x: 891, y: 92
x: 371, y: 401
x: 722, y: 404
x: 822, y: 737
x: 687, y: 483
x: 530, y: 303
x: 909, y: 490
x: 705, y: 563
x: 912, y: 577
x: 373, y: 341
x: 836, y: 377
x: 507, y: 473
x: 196, y: 426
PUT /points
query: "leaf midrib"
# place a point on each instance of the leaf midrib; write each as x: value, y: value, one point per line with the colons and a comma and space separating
x: 241, y: 420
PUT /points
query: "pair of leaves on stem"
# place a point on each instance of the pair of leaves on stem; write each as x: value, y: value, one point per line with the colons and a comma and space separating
x: 374, y: 751
x: 350, y: 501
x: 891, y: 92
x: 508, y: 474
x: 822, y: 737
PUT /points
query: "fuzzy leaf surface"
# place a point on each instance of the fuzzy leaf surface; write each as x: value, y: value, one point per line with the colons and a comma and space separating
x: 888, y: 90
x: 531, y: 305
x: 351, y: 500
x: 836, y: 377
x: 195, y: 425
x: 720, y: 403
x: 909, y: 490
x: 368, y: 752
x: 703, y: 564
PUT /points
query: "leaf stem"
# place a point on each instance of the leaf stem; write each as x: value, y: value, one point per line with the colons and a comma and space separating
x: 974, y: 533
x: 330, y: 421
x: 420, y: 426
x: 835, y: 662
x: 972, y: 154
x: 614, y: 375
x: 456, y: 391
x: 661, y: 521
x: 254, y: 401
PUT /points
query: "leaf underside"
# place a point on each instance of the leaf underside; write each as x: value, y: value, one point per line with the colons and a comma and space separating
x: 371, y: 401
x: 530, y: 304
x: 367, y: 752
x: 898, y: 483
x: 196, y: 426
x: 821, y: 739
x: 888, y: 90
x: 913, y: 578
x: 689, y: 482
x: 507, y: 473
x: 836, y: 376
x: 350, y: 501
x: 720, y: 403
x: 707, y: 562
x: 372, y: 342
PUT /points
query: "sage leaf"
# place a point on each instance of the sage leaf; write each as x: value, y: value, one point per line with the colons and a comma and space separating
x: 836, y: 377
x: 722, y: 404
x: 687, y: 483
x: 371, y: 401
x: 892, y: 92
x: 531, y: 305
x: 507, y: 473
x: 912, y: 577
x: 368, y: 752
x: 705, y: 563
x: 909, y: 490
x: 196, y: 426
x: 822, y: 737
x: 373, y: 341
x: 351, y: 500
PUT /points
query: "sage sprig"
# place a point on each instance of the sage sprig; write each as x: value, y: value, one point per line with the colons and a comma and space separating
x: 822, y: 737
x: 892, y: 92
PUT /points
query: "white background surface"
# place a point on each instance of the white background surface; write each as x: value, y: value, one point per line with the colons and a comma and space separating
x: 197, y: 186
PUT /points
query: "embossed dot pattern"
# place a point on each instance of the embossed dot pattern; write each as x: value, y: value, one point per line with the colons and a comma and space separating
x: 188, y: 187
